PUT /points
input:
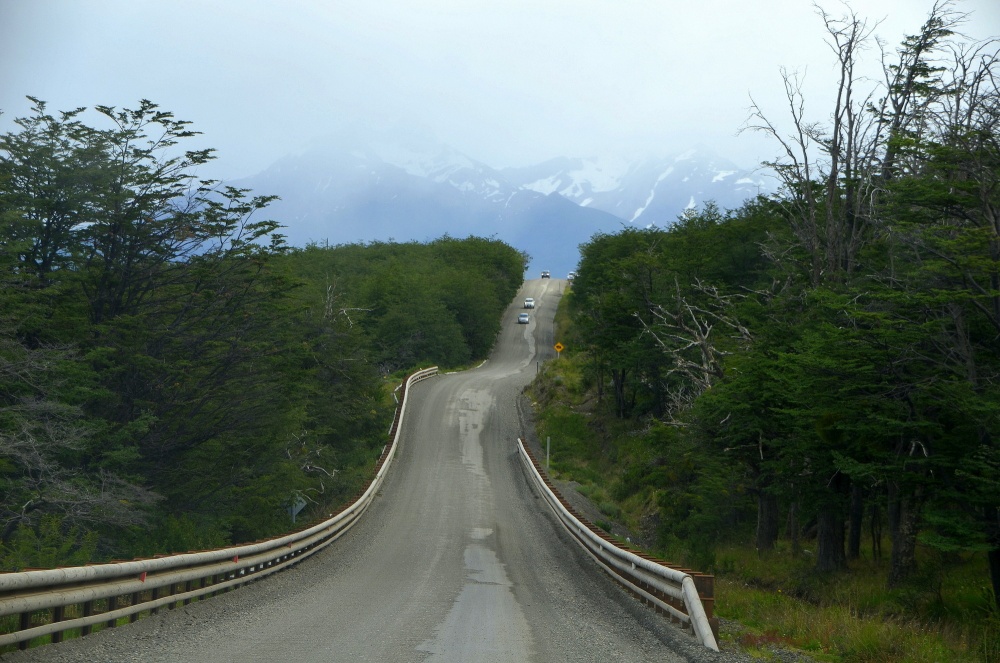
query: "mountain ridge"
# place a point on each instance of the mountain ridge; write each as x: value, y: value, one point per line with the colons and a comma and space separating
x: 377, y: 190
x: 647, y: 191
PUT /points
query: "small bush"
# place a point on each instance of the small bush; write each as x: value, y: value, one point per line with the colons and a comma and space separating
x: 610, y: 509
x: 49, y: 544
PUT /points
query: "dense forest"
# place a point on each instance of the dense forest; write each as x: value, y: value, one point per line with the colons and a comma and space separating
x: 823, y: 363
x: 173, y: 375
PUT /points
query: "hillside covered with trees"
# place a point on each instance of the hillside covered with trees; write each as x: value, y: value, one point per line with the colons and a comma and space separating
x: 172, y: 375
x: 818, y: 371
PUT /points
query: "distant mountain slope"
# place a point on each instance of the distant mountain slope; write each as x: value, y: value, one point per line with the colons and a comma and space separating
x: 650, y: 191
x: 339, y: 197
x: 360, y: 191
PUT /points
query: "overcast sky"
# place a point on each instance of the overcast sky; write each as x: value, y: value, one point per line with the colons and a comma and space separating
x: 508, y: 82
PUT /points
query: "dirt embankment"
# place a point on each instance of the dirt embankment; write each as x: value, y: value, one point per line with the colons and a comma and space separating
x: 569, y: 489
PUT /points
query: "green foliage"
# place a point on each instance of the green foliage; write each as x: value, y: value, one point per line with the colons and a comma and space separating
x: 701, y: 498
x: 827, y: 359
x: 176, y: 533
x: 632, y: 300
x: 51, y: 544
x: 415, y: 304
x: 171, y: 373
x: 857, y: 377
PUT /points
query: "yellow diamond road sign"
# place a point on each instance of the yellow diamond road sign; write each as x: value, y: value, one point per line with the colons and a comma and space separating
x: 559, y: 347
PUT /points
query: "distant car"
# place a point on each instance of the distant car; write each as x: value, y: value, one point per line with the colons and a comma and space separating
x: 545, y: 274
x: 529, y: 302
x: 523, y: 319
x: 572, y: 275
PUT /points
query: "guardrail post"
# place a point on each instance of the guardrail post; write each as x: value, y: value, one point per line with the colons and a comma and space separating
x: 58, y: 613
x: 88, y: 610
x: 25, y: 624
x: 112, y: 606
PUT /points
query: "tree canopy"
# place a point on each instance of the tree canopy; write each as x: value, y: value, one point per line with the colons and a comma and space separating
x: 172, y: 375
x: 834, y: 347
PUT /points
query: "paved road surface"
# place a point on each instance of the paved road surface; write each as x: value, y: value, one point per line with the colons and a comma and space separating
x: 456, y: 560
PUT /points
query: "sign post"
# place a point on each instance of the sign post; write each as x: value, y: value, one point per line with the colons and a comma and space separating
x: 559, y: 347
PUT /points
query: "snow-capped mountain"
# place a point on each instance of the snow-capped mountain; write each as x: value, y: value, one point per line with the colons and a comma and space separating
x: 387, y: 192
x: 651, y: 191
x: 439, y: 164
x: 413, y: 189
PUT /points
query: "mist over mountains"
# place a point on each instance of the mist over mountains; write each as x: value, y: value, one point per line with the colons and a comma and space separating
x: 648, y: 191
x: 363, y: 190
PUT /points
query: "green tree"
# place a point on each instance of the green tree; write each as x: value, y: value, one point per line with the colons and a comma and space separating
x: 155, y: 293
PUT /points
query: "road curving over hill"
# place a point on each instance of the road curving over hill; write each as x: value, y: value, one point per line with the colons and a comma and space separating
x: 456, y: 560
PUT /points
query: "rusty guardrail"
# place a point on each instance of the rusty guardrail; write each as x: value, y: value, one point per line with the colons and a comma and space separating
x: 84, y: 596
x: 687, y: 597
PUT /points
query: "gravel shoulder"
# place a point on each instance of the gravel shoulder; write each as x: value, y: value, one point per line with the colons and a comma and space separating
x: 729, y: 629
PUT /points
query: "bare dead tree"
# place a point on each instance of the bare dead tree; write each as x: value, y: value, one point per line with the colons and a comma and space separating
x: 832, y: 171
x: 795, y: 167
x: 826, y: 168
x: 913, y: 83
x: 685, y: 332
x: 331, y: 310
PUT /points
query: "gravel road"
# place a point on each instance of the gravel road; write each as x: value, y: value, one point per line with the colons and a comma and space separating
x: 456, y: 560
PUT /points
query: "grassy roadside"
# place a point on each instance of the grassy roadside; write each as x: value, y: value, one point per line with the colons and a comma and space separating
x: 852, y: 616
x: 775, y: 601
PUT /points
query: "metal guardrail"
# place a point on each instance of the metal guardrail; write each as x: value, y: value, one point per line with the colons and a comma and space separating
x: 85, y: 596
x: 687, y: 597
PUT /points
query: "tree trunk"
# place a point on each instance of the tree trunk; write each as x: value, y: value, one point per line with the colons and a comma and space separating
x: 856, y: 520
x: 767, y: 522
x: 992, y: 522
x: 904, y: 518
x: 875, y: 527
x: 793, y: 528
x: 829, y: 540
x: 618, y: 376
x: 600, y: 382
x: 993, y: 557
x: 892, y: 508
